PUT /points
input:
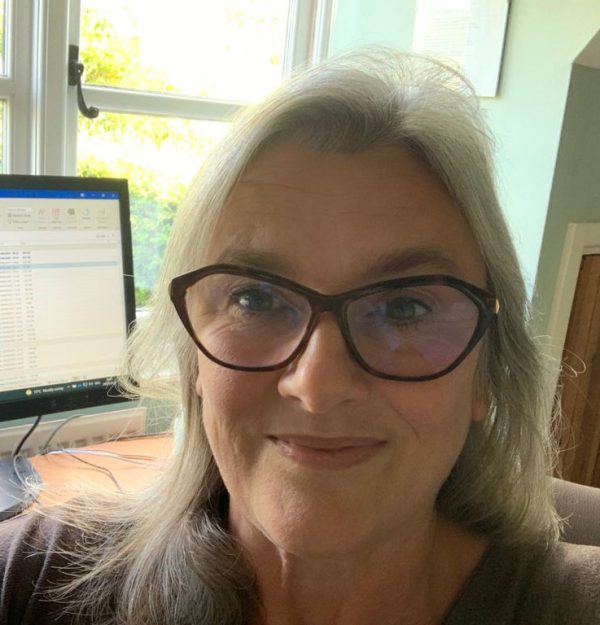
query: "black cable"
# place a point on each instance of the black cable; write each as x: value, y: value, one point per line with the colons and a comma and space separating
x: 16, y: 456
x: 44, y: 448
x: 27, y: 435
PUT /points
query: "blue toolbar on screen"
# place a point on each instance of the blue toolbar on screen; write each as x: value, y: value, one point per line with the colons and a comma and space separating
x: 59, y: 194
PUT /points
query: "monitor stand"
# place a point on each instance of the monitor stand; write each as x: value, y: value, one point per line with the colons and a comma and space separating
x: 15, y: 491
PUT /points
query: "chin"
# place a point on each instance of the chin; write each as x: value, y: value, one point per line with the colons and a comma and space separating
x: 315, y: 532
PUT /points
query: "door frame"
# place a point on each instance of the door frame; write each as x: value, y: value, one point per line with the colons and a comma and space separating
x: 581, y: 239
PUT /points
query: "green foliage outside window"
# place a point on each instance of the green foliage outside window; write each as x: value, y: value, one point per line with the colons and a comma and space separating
x: 240, y: 58
x: 157, y: 155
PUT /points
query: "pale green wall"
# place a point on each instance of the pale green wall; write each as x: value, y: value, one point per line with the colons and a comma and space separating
x: 542, y: 40
x: 363, y: 22
x: 576, y: 189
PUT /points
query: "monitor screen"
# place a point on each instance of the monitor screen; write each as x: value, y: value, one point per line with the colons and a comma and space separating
x: 66, y: 292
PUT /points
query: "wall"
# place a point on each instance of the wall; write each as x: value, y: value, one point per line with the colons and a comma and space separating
x: 575, y: 195
x: 364, y: 22
x: 543, y: 38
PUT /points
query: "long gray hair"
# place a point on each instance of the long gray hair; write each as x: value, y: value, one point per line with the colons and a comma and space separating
x: 166, y: 555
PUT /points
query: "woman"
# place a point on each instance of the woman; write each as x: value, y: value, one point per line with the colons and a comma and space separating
x: 364, y: 432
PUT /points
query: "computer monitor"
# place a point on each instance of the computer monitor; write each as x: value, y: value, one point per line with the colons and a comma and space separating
x: 66, y: 293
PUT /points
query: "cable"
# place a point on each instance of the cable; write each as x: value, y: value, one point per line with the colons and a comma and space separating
x: 16, y: 457
x: 145, y: 461
x: 27, y: 435
x: 97, y: 467
x: 23, y: 480
x: 44, y: 448
x: 139, y: 459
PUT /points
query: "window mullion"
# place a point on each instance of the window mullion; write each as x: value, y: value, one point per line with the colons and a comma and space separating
x: 7, y: 87
x: 57, y: 122
x: 324, y: 13
x: 300, y: 35
x: 309, y: 32
x: 21, y: 97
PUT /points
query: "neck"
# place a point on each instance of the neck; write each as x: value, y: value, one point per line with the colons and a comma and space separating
x: 412, y: 579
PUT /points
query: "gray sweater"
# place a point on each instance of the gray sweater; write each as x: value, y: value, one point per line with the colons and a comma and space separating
x: 536, y: 586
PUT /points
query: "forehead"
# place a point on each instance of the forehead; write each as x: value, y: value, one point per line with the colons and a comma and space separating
x: 334, y: 221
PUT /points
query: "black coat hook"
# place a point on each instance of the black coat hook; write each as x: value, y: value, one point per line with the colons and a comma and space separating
x: 75, y: 73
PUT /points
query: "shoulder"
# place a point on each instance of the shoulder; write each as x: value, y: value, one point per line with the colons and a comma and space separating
x: 38, y: 528
x: 31, y: 561
x: 535, y: 585
x: 571, y: 573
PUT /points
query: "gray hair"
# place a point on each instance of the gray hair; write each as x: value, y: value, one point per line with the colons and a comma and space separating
x: 500, y: 484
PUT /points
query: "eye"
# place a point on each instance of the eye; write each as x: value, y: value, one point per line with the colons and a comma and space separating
x: 254, y: 299
x: 404, y: 309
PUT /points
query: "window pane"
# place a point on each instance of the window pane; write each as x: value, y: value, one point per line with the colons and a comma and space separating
x: 3, y: 33
x: 158, y: 156
x: 230, y: 49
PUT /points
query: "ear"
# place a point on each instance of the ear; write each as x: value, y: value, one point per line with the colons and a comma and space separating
x: 198, y: 386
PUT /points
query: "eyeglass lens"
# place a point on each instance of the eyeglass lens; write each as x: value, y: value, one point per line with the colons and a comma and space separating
x: 246, y: 322
x: 406, y: 331
x: 414, y: 331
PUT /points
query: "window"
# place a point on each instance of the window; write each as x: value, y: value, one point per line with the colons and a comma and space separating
x: 165, y: 96
x: 159, y: 156
x: 210, y: 52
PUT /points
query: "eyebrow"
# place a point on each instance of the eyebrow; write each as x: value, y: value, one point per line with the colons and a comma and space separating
x: 256, y: 259
x: 410, y: 259
x: 384, y: 265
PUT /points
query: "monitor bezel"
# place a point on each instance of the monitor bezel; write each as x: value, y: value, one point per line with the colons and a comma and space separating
x: 89, y: 398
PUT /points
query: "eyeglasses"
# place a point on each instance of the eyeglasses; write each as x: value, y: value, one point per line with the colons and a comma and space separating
x: 416, y: 328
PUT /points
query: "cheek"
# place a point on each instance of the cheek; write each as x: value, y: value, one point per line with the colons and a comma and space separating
x: 227, y: 393
x: 451, y: 402
x: 232, y: 405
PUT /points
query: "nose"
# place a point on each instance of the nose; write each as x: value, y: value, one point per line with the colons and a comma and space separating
x: 325, y: 375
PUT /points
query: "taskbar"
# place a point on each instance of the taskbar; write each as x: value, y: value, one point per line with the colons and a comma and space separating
x: 50, y: 390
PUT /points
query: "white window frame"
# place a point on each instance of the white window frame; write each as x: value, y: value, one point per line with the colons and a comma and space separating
x: 42, y: 108
x: 58, y: 26
x: 309, y: 23
x: 17, y: 87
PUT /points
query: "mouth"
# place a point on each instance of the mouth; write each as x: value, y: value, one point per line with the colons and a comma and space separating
x: 327, y: 453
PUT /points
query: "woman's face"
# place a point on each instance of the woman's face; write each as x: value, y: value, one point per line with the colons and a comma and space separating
x: 321, y: 457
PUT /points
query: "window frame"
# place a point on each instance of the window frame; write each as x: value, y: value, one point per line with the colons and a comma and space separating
x: 17, y: 86
x: 42, y: 108
x: 303, y: 47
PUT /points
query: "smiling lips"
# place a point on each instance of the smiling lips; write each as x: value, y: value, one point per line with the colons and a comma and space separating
x: 327, y: 453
